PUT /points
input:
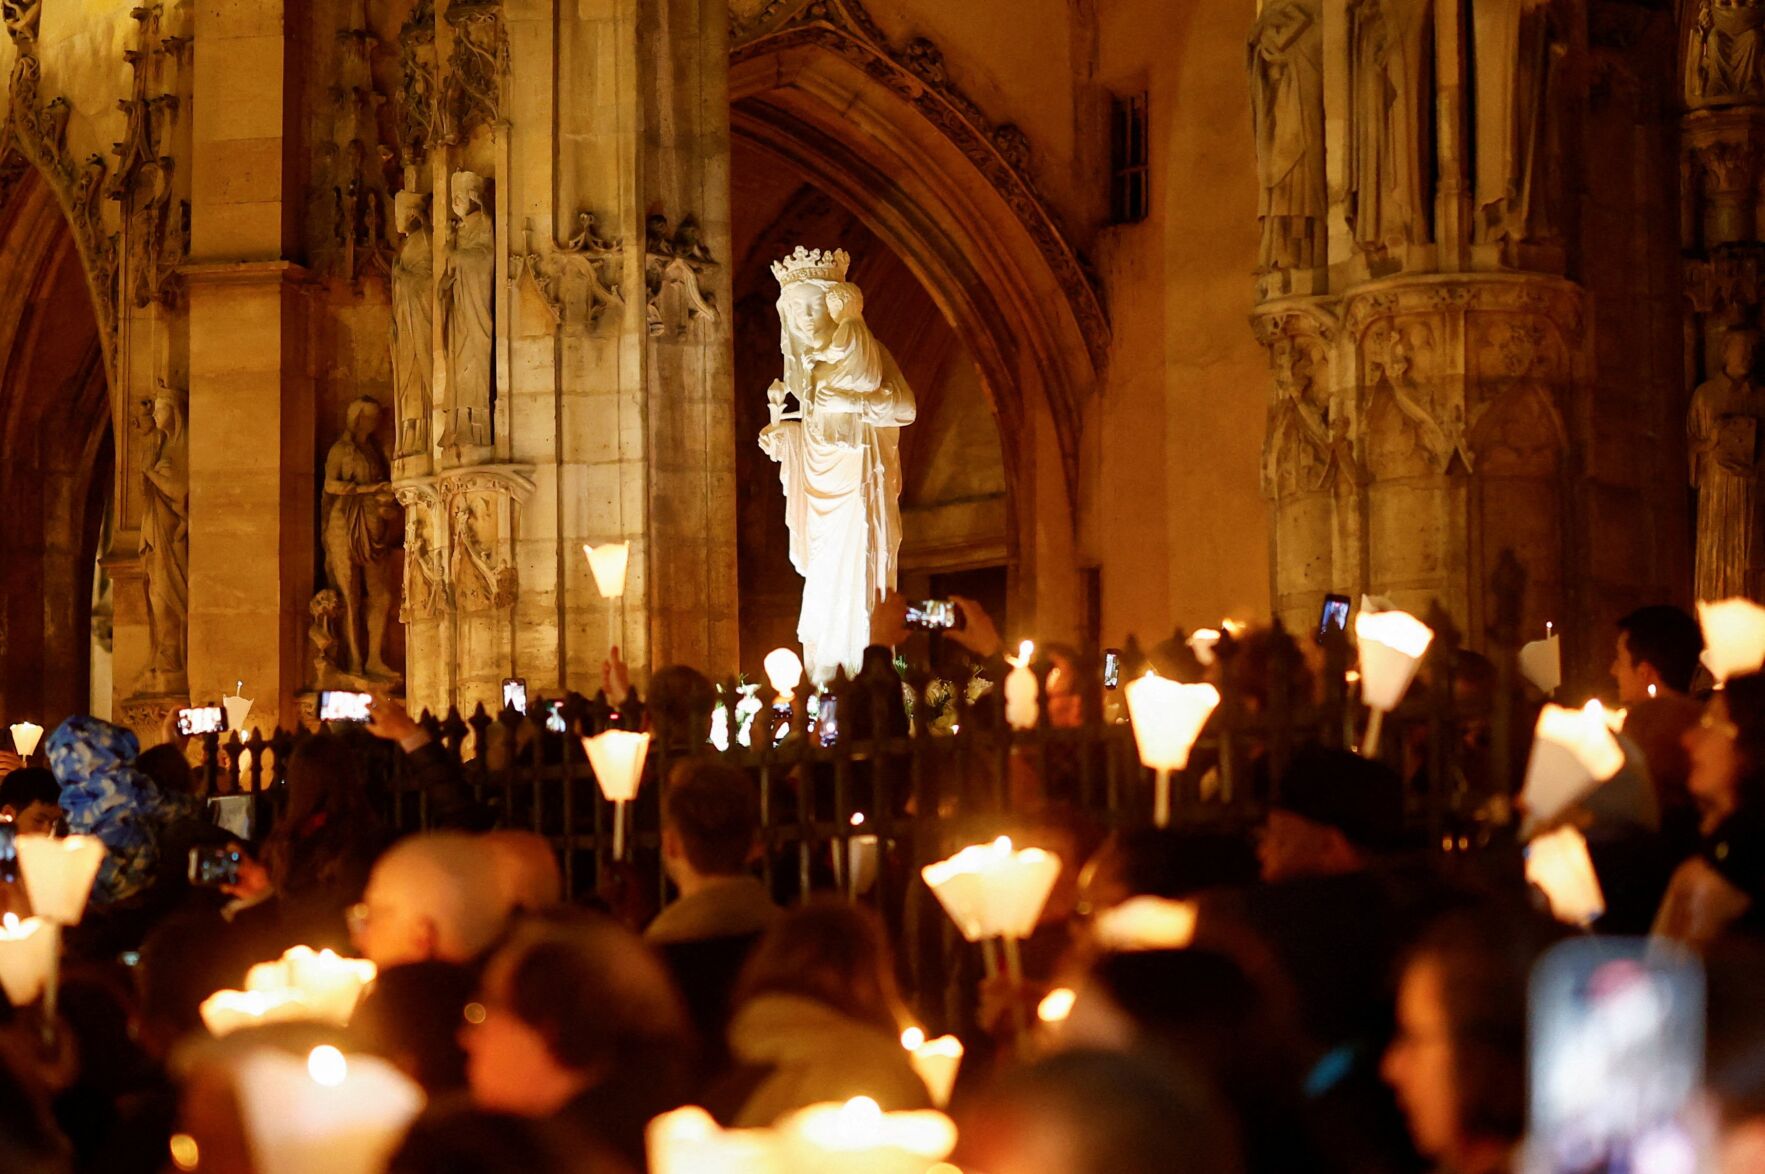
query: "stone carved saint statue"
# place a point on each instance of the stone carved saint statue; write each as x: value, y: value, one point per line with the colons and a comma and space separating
x: 1723, y: 53
x: 838, y: 456
x: 413, y: 319
x: 1287, y: 107
x: 360, y: 530
x: 1392, y: 46
x: 466, y: 299
x: 1519, y: 51
x: 1723, y: 430
x: 165, y: 543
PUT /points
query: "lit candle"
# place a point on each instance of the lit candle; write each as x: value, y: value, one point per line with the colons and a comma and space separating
x: 323, y: 1111
x: 1392, y: 644
x: 1021, y: 689
x: 1167, y: 717
x: 937, y: 1062
x: 1541, y: 662
x: 1202, y: 643
x: 1573, y: 751
x: 330, y: 984
x: 27, y: 957
x: 225, y: 1012
x: 784, y: 669
x: 859, y: 1138
x: 58, y: 874
x: 238, y: 708
x: 1558, y: 864
x: 1056, y: 1005
x: 617, y: 757
x: 1734, y: 637
x: 994, y: 890
x: 861, y: 858
x: 608, y: 564
x: 689, y: 1141
x: 1145, y: 923
x: 25, y: 736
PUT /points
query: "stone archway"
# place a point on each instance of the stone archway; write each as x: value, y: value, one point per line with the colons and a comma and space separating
x: 883, y: 132
x: 56, y: 432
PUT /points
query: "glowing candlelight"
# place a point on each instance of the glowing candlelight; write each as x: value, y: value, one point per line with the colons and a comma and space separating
x: 1167, y: 718
x: 935, y: 1060
x: 330, y: 985
x: 1146, y: 923
x: 1573, y: 751
x: 1202, y: 642
x: 608, y: 564
x: 617, y: 757
x: 238, y: 708
x: 1541, y: 662
x: 1392, y: 644
x: 225, y: 1012
x: 58, y: 874
x: 323, y: 1111
x: 689, y: 1141
x: 860, y: 1138
x: 1558, y: 864
x: 994, y: 890
x: 1021, y: 689
x: 25, y: 736
x: 1734, y: 637
x: 27, y: 957
x: 862, y: 852
x: 1056, y: 1005
x: 784, y: 669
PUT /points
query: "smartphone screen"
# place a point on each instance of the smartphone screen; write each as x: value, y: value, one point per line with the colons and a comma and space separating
x: 1333, y: 616
x: 1112, y: 668
x: 515, y: 694
x: 933, y: 615
x: 202, y: 719
x: 827, y: 724
x: 1616, y: 1031
x: 214, y: 865
x: 338, y: 705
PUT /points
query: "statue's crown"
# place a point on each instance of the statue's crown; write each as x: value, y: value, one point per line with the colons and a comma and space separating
x: 811, y: 265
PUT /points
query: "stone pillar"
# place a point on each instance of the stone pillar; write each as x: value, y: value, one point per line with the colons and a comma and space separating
x: 613, y: 419
x: 251, y: 429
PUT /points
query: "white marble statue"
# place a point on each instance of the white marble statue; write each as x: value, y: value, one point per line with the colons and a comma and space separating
x: 838, y: 456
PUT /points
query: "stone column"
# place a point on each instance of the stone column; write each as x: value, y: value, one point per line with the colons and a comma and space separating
x: 251, y: 432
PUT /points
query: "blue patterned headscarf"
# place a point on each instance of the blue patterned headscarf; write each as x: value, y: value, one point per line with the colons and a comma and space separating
x: 105, y: 796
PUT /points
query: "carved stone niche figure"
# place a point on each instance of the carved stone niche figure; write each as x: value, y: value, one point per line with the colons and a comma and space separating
x: 1390, y: 69
x: 413, y: 318
x: 1723, y: 433
x: 838, y: 456
x: 1519, y: 52
x: 425, y: 567
x: 480, y: 581
x: 1723, y: 53
x: 20, y: 18
x: 1297, y: 456
x: 165, y: 544
x: 360, y: 530
x: 1287, y: 108
x: 674, y: 262
x: 466, y: 291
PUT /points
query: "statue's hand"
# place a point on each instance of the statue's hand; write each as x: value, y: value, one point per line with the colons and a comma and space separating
x: 772, y: 438
x: 777, y: 392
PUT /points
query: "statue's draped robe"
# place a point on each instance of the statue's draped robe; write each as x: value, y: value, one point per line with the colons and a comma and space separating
x: 841, y: 472
x: 1722, y: 427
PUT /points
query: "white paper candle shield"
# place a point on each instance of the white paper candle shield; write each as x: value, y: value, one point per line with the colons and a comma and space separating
x: 1202, y: 642
x: 1145, y: 923
x: 1392, y: 644
x: 937, y: 1062
x: 784, y: 670
x: 608, y: 564
x: 225, y: 1012
x: 1168, y: 717
x: 993, y: 890
x: 859, y: 1138
x: 331, y: 986
x: 1541, y: 662
x: 1558, y: 864
x: 27, y: 957
x: 1021, y: 689
x: 344, y: 1116
x: 238, y: 709
x: 1734, y: 637
x: 58, y: 874
x: 689, y: 1141
x: 1573, y: 751
x: 617, y: 757
x: 25, y: 736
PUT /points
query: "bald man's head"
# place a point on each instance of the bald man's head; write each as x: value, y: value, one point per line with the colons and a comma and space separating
x: 433, y: 896
x: 527, y: 867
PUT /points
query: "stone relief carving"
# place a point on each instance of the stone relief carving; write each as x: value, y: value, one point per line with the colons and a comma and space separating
x: 414, y: 106
x: 675, y: 260
x: 156, y: 225
x: 413, y: 324
x: 1723, y: 62
x: 1300, y: 447
x: 575, y: 280
x: 1392, y: 107
x: 326, y: 613
x: 480, y: 512
x: 165, y: 543
x: 1520, y: 49
x: 1517, y: 430
x: 1287, y: 109
x: 479, y: 62
x: 1722, y: 430
x: 360, y: 531
x: 1403, y: 436
x: 21, y: 18
x: 428, y: 591
x: 467, y: 305
x: 918, y: 73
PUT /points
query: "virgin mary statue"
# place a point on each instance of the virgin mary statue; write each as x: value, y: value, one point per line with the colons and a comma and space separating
x: 838, y: 456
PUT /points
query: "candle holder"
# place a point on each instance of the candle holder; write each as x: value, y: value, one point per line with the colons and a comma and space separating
x: 1392, y: 644
x: 1573, y: 751
x: 1559, y: 865
x: 1168, y: 717
x: 1734, y: 637
x: 25, y: 736
x: 617, y: 758
x: 936, y: 1061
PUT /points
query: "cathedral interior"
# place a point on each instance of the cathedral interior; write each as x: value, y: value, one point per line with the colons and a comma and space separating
x: 334, y: 330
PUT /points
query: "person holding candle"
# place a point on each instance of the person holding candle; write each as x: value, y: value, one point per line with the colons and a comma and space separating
x: 818, y: 1018
x: 30, y: 800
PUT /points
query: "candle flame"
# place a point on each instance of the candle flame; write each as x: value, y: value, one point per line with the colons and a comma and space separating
x: 1057, y: 1005
x: 10, y: 923
x: 913, y: 1038
x: 857, y: 819
x: 1651, y: 690
x: 327, y: 1066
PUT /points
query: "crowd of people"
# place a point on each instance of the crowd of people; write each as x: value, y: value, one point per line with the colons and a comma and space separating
x: 1332, y: 997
